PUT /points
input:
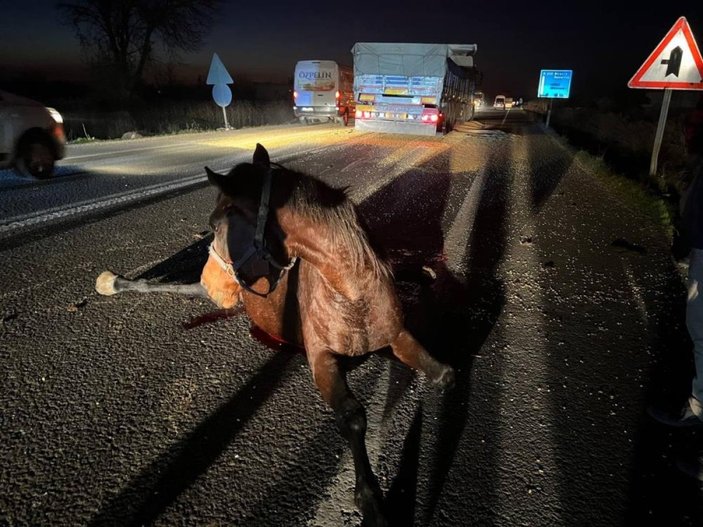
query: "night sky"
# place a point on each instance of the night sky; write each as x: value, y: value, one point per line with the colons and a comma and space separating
x: 603, y: 42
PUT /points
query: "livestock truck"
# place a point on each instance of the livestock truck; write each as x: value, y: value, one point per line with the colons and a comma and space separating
x: 413, y: 88
x: 322, y: 91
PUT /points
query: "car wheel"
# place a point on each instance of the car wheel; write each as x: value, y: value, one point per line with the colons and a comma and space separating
x: 35, y: 158
x: 345, y: 118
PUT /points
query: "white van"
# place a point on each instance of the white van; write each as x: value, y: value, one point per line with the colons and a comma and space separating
x: 31, y: 136
x: 323, y: 91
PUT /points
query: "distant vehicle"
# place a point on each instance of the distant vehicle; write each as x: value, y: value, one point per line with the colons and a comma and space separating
x: 413, y: 88
x: 32, y: 138
x: 479, y: 99
x: 509, y: 103
x: 323, y: 91
x: 499, y: 102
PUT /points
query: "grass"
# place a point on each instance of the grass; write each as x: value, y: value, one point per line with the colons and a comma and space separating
x: 83, y: 123
x: 658, y: 208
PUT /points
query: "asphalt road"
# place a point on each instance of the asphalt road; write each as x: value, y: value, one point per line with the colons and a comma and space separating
x: 140, y: 410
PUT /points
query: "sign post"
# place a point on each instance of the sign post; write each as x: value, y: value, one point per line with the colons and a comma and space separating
x: 219, y: 78
x: 675, y: 64
x: 554, y: 84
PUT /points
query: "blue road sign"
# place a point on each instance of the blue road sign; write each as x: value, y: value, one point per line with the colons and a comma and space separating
x: 554, y: 84
x: 218, y: 73
x: 222, y: 95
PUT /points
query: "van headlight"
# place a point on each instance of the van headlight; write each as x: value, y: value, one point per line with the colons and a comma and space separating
x: 56, y: 116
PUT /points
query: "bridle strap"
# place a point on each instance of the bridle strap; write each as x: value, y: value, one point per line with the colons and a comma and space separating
x: 229, y: 268
x: 263, y: 210
x: 258, y: 245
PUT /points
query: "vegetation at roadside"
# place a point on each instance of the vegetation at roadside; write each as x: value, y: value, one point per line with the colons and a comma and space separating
x: 83, y: 122
x: 658, y: 208
x: 615, y: 140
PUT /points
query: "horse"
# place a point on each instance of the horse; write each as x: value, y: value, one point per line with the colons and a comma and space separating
x: 295, y: 254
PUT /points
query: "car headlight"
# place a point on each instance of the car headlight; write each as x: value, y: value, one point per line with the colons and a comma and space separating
x: 56, y: 116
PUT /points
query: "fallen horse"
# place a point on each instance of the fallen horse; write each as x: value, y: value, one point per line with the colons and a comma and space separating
x: 292, y: 251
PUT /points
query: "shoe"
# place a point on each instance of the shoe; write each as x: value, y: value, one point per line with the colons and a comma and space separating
x: 691, y: 467
x: 682, y: 419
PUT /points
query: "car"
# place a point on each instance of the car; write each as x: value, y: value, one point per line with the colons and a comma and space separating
x: 32, y: 136
x: 499, y: 102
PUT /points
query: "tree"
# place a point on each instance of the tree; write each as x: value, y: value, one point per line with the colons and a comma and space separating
x: 120, y: 36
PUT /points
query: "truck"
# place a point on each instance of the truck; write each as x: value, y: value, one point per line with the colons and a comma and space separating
x: 413, y: 88
x: 323, y: 91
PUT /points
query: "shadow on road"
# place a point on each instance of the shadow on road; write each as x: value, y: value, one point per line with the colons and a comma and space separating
x: 174, y: 471
x: 452, y: 316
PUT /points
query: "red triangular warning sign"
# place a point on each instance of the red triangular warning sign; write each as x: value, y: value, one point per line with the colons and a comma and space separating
x: 676, y: 63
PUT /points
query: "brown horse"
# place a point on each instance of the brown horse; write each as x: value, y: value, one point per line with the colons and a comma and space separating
x: 292, y: 250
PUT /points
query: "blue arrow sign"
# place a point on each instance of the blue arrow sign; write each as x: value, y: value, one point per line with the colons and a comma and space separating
x: 218, y: 73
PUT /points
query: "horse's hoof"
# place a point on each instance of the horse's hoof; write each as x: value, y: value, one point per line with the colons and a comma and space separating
x: 105, y: 283
x: 429, y: 272
x: 446, y: 379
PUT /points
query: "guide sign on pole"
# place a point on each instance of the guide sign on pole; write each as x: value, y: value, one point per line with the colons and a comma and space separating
x: 554, y: 84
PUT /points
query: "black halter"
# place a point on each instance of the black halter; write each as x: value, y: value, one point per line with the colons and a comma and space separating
x: 258, y: 257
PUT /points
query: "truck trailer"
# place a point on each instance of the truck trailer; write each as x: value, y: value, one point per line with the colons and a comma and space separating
x: 413, y: 88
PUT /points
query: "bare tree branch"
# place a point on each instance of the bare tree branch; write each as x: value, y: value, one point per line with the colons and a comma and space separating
x: 120, y: 35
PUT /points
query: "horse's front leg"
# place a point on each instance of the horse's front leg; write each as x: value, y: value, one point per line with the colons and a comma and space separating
x: 215, y: 284
x: 406, y: 348
x: 351, y: 420
x: 108, y: 283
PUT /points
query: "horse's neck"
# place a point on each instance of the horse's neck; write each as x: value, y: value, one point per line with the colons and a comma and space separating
x: 314, y: 244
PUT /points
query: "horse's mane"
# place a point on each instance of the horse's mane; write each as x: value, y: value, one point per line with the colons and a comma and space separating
x: 324, y: 204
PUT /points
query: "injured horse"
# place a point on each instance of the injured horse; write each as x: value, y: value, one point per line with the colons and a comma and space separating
x: 292, y: 251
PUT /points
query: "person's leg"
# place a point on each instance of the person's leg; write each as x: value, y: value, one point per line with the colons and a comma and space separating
x: 694, y: 323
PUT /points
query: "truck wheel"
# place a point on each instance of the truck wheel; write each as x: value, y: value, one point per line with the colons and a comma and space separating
x: 35, y: 158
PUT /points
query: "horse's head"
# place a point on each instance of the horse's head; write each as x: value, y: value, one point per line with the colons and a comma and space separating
x: 248, y: 242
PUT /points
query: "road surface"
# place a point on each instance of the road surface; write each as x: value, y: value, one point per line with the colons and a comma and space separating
x: 555, y: 299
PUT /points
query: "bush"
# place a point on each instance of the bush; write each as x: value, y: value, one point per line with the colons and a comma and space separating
x: 626, y: 144
x: 83, y: 121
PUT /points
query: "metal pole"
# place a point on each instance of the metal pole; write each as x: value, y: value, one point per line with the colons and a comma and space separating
x: 660, y: 131
x: 224, y: 113
x: 549, y: 111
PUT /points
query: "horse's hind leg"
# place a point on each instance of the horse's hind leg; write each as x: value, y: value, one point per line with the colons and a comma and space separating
x: 351, y: 420
x: 412, y: 353
x: 110, y: 284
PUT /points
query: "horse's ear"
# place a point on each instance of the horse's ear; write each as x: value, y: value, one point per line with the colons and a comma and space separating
x: 215, y: 179
x: 261, y: 156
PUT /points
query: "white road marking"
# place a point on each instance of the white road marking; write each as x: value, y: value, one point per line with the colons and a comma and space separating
x: 455, y: 240
x: 128, y: 151
x: 121, y: 198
